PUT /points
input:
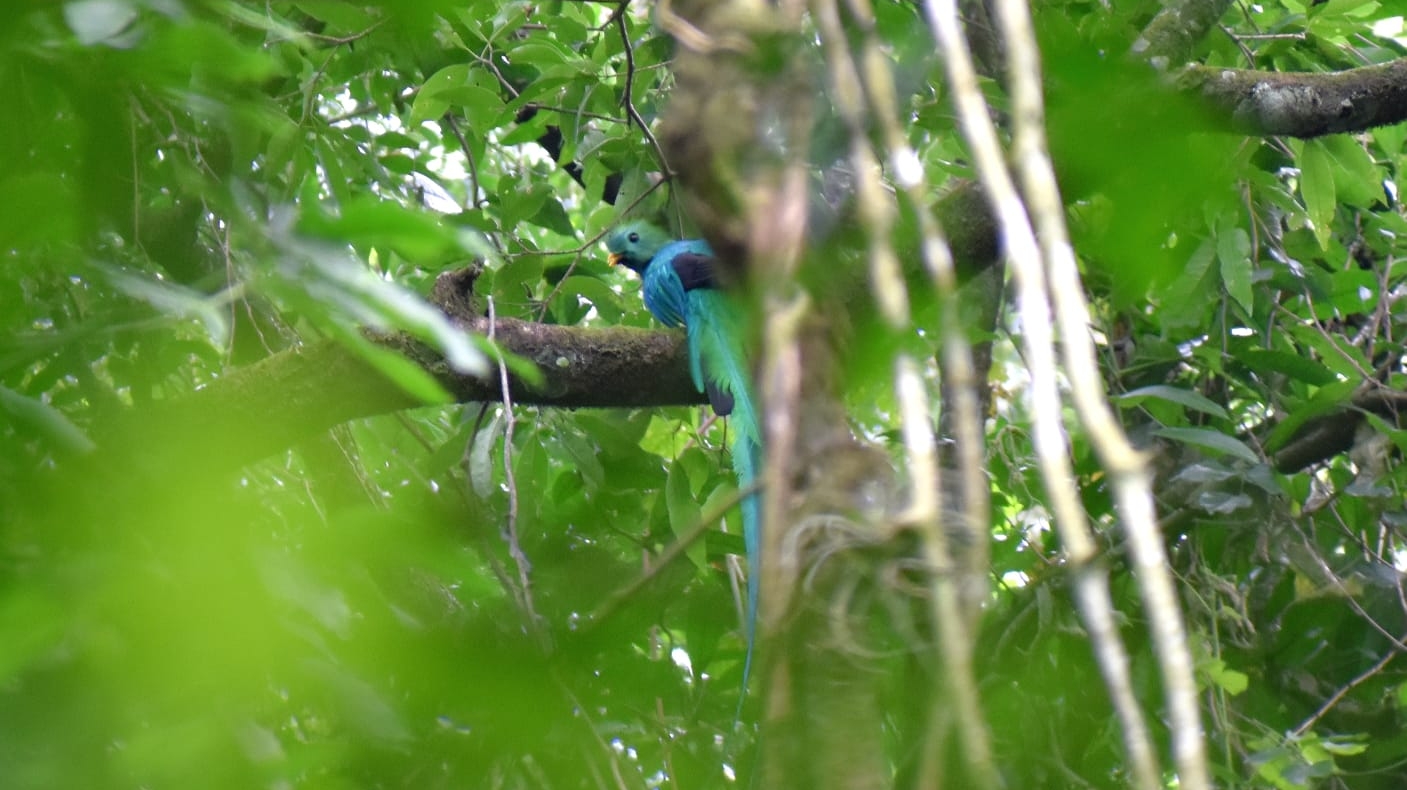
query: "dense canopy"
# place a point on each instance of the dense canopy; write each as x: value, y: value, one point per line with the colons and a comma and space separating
x: 333, y: 453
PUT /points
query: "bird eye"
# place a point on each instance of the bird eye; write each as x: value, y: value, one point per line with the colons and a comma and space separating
x: 634, y: 238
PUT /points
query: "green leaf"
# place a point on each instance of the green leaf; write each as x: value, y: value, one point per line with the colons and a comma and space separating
x: 177, y: 300
x: 379, y: 304
x: 1187, y: 398
x: 366, y: 708
x: 515, y: 283
x: 451, y: 451
x: 554, y: 218
x: 1353, y: 291
x: 46, y: 421
x: 1327, y: 399
x: 1229, y: 680
x: 39, y: 209
x: 345, y: 16
x: 1210, y: 440
x: 407, y: 375
x: 1265, y: 361
x: 398, y: 163
x: 1355, y: 8
x: 397, y: 140
x: 367, y: 221
x: 598, y: 294
x: 517, y: 204
x: 1233, y: 247
x: 481, y: 468
x: 585, y: 455
x: 1345, y: 745
x: 430, y: 103
x: 1317, y: 188
x: 545, y: 55
x: 527, y: 132
x: 482, y: 108
x: 1390, y: 138
x: 214, y: 53
x: 1233, y: 682
x: 1358, y: 179
x: 1185, y: 301
x: 1334, y: 352
x: 684, y: 511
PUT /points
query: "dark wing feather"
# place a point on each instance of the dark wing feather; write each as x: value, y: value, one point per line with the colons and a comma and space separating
x: 694, y: 270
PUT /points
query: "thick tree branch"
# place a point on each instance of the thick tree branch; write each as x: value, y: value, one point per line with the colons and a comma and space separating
x: 1327, y: 436
x: 276, y: 403
x: 297, y: 394
x: 1264, y: 103
x: 1303, y: 105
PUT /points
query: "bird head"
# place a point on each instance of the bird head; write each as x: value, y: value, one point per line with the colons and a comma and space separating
x: 634, y: 244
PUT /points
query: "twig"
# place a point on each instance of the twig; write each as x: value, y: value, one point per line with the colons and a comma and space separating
x: 618, y: 18
x: 628, y: 100
x: 469, y: 157
x: 580, y: 113
x: 594, y: 728
x: 588, y: 244
x: 510, y: 534
x: 1341, y: 693
x: 672, y: 552
x: 493, y: 67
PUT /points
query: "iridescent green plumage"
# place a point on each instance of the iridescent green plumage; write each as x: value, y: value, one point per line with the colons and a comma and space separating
x: 679, y: 288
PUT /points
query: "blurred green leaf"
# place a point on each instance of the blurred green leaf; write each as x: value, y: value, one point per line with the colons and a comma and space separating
x: 1317, y: 188
x: 684, y: 510
x: 367, y: 606
x: 384, y: 305
x: 406, y: 374
x: 1228, y: 680
x: 1266, y: 361
x: 370, y: 222
x: 31, y: 625
x: 1210, y: 440
x: 1234, y: 253
x: 46, y: 421
x: 481, y: 470
x: 177, y: 301
x: 1192, y: 400
x: 1328, y: 398
x: 101, y: 21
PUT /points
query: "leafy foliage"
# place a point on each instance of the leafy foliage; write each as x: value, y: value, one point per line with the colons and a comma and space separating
x: 187, y: 188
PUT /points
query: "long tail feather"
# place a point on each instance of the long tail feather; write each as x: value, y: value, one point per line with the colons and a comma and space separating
x: 716, y: 346
x: 747, y: 465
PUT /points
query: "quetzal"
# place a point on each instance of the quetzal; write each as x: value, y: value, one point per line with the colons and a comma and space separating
x: 680, y: 289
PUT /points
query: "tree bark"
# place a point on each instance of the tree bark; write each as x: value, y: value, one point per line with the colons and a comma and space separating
x: 1265, y: 103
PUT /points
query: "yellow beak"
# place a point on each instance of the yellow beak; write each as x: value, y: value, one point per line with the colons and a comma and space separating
x: 615, y: 258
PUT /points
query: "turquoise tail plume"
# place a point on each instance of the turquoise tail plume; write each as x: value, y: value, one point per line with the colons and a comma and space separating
x: 680, y: 289
x: 716, y: 331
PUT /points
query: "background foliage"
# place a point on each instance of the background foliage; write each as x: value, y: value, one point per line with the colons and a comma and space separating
x: 189, y: 187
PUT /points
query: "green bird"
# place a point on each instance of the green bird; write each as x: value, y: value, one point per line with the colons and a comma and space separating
x: 681, y: 289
